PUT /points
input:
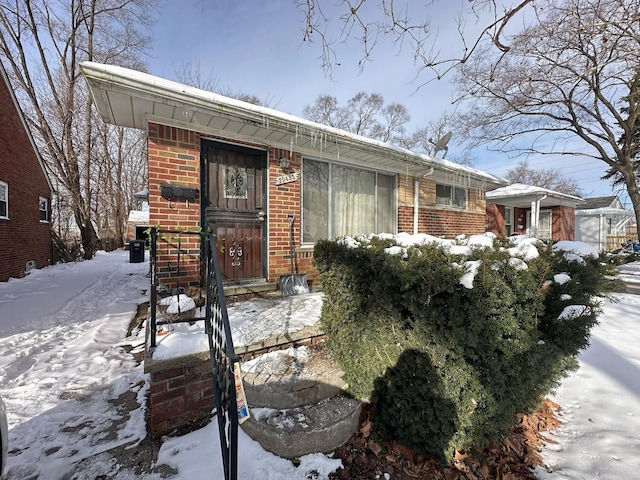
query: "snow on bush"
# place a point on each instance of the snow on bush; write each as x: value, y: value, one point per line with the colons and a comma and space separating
x: 455, y: 336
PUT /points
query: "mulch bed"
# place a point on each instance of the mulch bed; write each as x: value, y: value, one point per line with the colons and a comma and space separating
x: 514, y: 458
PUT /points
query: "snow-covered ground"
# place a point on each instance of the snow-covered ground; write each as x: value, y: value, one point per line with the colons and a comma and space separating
x: 63, y: 362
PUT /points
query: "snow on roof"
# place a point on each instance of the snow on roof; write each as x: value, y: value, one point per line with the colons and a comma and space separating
x: 621, y: 212
x: 138, y: 216
x: 520, y: 189
x: 134, y: 79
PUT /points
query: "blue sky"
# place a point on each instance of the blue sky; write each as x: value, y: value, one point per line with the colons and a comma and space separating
x: 256, y: 47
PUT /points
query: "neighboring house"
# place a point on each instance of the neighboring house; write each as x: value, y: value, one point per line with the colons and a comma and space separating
x: 604, y: 223
x: 25, y: 193
x: 245, y: 170
x: 138, y: 220
x: 523, y: 209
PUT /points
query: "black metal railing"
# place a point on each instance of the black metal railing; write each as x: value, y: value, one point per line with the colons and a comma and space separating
x: 172, y: 271
x: 216, y: 320
x: 223, y: 362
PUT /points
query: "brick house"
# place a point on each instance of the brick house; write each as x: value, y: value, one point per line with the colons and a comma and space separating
x: 245, y: 171
x: 523, y: 209
x: 25, y: 193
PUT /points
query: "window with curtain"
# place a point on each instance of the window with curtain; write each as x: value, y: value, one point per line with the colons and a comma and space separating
x: 339, y: 200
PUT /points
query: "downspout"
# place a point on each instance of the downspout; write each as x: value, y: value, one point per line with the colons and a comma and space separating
x: 535, y: 217
x: 601, y: 227
x: 416, y: 199
x: 416, y: 205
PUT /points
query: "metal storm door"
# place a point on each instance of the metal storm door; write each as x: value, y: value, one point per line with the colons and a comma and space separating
x: 236, y: 208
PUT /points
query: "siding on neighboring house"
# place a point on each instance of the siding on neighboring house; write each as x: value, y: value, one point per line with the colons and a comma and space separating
x: 24, y: 238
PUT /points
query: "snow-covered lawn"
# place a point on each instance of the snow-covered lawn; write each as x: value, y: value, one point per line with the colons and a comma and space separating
x: 63, y: 362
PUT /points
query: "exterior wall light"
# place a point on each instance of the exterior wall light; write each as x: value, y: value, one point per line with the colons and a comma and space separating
x: 283, y: 162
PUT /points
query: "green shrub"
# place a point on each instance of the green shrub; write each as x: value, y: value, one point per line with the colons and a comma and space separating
x: 447, y: 366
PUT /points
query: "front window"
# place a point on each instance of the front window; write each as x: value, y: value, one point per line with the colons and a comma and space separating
x: 508, y: 220
x: 339, y: 201
x: 451, y: 196
x: 44, y: 209
x: 4, y: 200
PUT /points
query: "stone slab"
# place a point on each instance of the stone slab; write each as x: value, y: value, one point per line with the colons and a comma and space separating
x: 292, y: 433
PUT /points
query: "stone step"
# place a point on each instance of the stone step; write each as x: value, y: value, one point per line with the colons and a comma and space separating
x: 292, y: 378
x: 292, y: 433
x: 297, y: 402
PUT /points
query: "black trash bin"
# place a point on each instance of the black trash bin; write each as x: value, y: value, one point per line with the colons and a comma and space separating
x: 136, y: 251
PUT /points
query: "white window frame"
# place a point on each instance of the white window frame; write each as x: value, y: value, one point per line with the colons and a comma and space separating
x: 44, y: 200
x: 5, y: 186
x: 508, y: 226
x: 452, y: 196
x: 546, y: 234
x: 330, y: 205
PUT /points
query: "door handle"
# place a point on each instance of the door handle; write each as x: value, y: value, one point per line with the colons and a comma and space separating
x: 261, y: 214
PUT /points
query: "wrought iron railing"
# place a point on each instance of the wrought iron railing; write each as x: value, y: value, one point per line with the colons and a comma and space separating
x: 223, y: 362
x: 216, y: 320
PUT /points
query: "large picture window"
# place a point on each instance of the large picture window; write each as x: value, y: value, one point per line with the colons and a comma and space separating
x: 339, y: 200
x: 451, y: 196
x: 4, y: 200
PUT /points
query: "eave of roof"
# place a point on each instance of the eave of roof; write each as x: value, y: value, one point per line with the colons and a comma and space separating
x: 520, y: 195
x: 607, y: 211
x: 132, y: 99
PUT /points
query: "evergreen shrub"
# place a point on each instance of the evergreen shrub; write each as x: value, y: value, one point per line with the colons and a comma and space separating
x: 444, y: 365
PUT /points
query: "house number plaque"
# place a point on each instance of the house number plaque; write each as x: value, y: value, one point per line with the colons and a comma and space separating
x: 282, y: 179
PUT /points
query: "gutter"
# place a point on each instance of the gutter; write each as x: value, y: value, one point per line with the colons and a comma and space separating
x: 165, y: 91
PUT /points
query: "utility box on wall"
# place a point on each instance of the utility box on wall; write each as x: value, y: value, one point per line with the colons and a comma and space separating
x: 180, y: 192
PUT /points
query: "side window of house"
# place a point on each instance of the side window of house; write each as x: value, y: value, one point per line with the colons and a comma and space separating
x: 339, y: 200
x: 4, y: 200
x: 448, y: 195
x: 44, y: 209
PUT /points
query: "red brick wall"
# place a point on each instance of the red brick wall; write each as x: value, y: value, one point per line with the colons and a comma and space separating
x: 179, y: 396
x: 285, y: 199
x: 445, y: 223
x: 564, y: 223
x: 22, y: 237
x: 174, y: 158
